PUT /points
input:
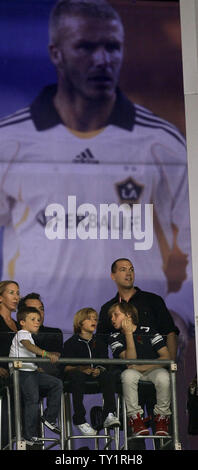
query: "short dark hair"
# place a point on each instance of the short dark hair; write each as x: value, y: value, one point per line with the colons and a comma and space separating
x: 113, y: 266
x: 32, y: 295
x: 84, y: 8
x: 127, y: 309
x: 23, y: 312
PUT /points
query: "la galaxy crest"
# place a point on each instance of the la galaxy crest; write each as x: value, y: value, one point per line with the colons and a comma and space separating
x: 129, y: 191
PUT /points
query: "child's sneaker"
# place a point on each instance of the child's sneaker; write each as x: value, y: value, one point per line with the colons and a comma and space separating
x: 52, y: 426
x: 34, y: 441
x: 161, y: 425
x: 138, y: 426
x: 111, y: 420
x: 86, y: 429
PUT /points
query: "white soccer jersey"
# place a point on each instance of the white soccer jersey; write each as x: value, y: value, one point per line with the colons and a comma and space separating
x: 136, y: 158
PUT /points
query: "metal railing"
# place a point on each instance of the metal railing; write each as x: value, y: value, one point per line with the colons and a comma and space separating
x: 171, y: 365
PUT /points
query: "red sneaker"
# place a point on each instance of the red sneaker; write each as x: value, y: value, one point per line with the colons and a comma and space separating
x: 161, y: 425
x: 138, y: 426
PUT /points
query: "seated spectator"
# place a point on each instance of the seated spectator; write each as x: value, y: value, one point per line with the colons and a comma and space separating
x: 135, y: 341
x: 33, y: 383
x: 84, y: 344
x: 9, y: 298
x: 152, y: 310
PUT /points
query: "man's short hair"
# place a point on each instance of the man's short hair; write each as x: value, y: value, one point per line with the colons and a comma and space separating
x: 82, y: 315
x: 32, y: 295
x: 127, y: 309
x: 99, y: 9
x: 23, y: 312
x: 113, y: 266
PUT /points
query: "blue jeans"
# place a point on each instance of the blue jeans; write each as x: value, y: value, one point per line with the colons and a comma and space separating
x: 34, y: 385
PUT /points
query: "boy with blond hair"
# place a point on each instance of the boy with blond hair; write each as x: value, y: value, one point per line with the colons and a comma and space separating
x: 84, y: 344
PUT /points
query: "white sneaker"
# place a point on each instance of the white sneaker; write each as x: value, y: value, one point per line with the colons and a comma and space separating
x: 111, y: 421
x: 33, y: 441
x: 86, y: 429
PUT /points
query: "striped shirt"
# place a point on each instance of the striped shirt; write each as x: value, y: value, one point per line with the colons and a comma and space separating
x: 147, y: 343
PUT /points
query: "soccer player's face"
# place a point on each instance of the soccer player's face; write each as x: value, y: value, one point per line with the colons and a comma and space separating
x: 91, y: 52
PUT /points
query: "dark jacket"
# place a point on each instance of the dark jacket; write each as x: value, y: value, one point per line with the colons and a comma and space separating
x: 49, y: 338
x: 77, y: 347
x: 6, y: 337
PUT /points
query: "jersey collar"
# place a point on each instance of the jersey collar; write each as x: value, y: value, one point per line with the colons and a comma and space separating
x: 45, y: 116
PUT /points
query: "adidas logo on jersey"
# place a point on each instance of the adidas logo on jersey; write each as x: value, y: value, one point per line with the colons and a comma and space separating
x: 85, y: 157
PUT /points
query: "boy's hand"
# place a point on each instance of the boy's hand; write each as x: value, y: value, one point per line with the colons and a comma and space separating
x: 4, y: 372
x: 87, y: 370
x: 53, y: 357
x: 127, y: 325
x: 95, y: 372
x: 57, y: 353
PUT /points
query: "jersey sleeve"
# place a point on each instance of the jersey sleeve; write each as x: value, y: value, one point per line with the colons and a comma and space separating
x: 157, y: 341
x: 5, y: 209
x: 8, y: 183
x: 117, y: 344
x: 172, y: 187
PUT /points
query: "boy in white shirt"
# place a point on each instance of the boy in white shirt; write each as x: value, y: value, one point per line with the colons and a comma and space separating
x: 32, y: 381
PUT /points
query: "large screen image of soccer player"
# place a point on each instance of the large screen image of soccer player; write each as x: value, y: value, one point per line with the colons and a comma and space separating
x: 93, y: 156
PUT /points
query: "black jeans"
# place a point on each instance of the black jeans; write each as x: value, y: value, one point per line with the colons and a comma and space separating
x: 107, y: 387
x: 33, y: 385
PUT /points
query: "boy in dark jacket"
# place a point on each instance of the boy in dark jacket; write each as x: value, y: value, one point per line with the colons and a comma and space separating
x: 84, y: 344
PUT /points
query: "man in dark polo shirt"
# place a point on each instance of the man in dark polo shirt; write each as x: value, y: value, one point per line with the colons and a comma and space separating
x: 152, y: 311
x: 151, y: 308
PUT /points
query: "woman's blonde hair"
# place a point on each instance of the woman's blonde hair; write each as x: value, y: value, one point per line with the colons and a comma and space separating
x: 4, y: 284
x: 80, y: 316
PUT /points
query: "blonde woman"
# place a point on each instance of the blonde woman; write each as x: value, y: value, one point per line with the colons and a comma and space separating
x: 9, y: 299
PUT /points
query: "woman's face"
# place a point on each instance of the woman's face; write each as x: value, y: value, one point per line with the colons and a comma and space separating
x: 10, y: 297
